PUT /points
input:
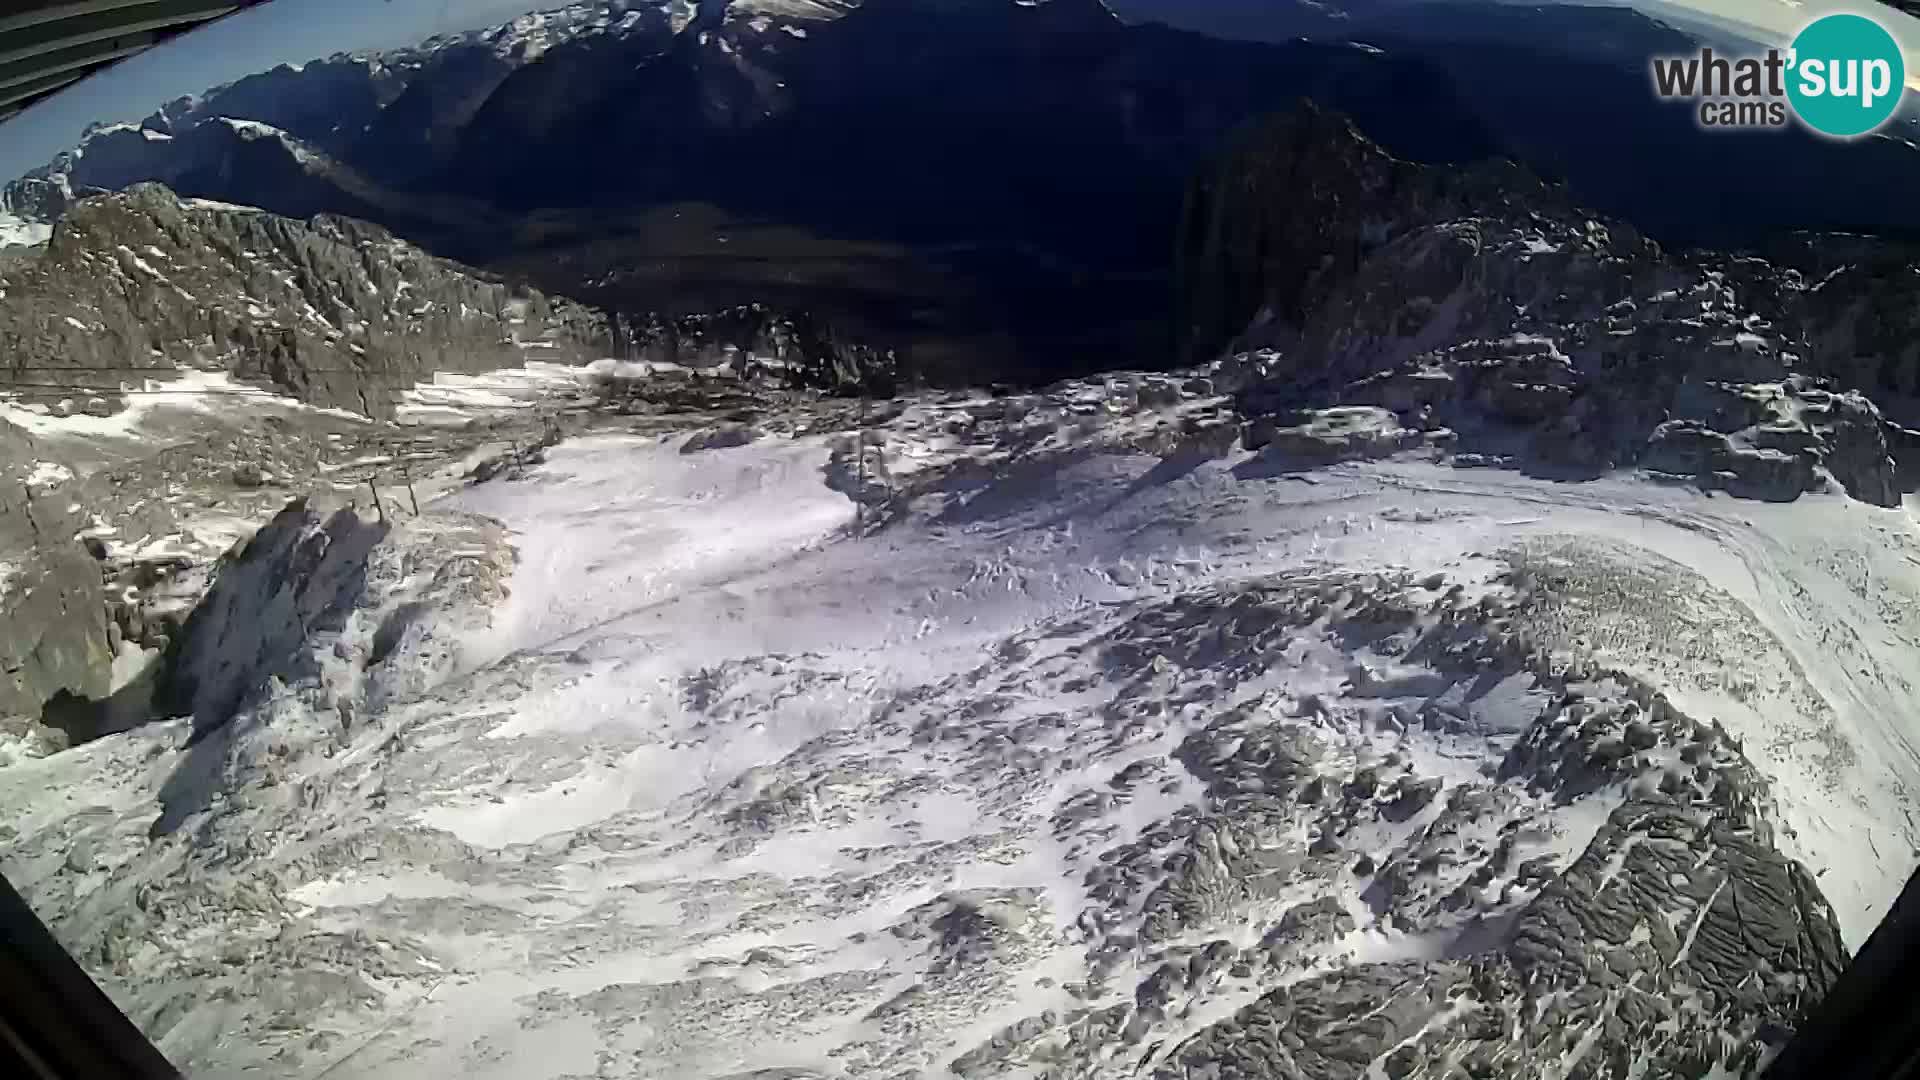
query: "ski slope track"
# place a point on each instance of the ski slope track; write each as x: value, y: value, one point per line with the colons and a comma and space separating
x: 1062, y: 759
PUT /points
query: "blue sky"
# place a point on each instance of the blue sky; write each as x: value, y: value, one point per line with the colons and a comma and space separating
x: 293, y: 31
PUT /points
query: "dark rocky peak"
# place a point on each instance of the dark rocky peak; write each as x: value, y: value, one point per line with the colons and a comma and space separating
x: 345, y: 104
x: 791, y: 349
x: 325, y: 102
x: 1563, y: 87
x: 412, y: 135
x: 1298, y: 203
x: 42, y: 200
x: 109, y: 156
x: 1485, y: 303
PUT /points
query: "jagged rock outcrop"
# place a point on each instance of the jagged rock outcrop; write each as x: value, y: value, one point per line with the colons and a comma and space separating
x: 129, y: 464
x: 1330, y: 435
x: 796, y: 350
x: 1640, y: 955
x: 41, y: 200
x: 299, y: 575
x: 332, y: 311
x: 53, y: 606
x: 127, y: 536
x: 1640, y: 958
x: 1483, y: 302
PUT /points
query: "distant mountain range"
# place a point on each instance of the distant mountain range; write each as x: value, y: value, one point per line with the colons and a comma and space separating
x: 958, y: 177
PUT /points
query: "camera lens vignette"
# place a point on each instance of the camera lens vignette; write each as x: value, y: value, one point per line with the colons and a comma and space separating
x: 866, y: 539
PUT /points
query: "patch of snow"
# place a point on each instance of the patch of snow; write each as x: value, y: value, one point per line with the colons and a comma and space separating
x: 634, y: 521
x: 151, y: 407
x: 140, y: 263
x: 805, y: 10
x: 631, y: 369
x: 215, y: 204
x: 129, y: 664
x: 455, y: 399
x: 251, y: 130
x: 48, y: 474
x: 18, y: 231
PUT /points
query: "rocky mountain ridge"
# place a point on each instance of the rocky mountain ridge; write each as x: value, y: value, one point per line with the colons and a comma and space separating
x: 441, y: 149
x: 177, y: 370
x: 331, y: 104
x: 172, y: 371
x: 333, y: 312
x: 1487, y: 305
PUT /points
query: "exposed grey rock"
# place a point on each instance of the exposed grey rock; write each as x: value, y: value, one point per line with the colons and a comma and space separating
x: 758, y: 345
x: 38, y: 201
x: 332, y: 311
x: 1330, y: 435
x: 719, y: 438
x: 298, y: 575
x: 1485, y: 303
x: 1331, y: 1027
x: 53, y: 608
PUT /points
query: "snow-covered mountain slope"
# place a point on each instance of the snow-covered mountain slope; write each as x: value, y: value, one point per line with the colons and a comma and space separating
x: 177, y: 370
x: 377, y: 109
x: 532, y: 35
x: 170, y: 374
x: 112, y: 522
x: 1075, y: 743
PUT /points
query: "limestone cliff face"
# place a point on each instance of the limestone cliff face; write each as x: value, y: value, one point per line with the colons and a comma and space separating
x: 1485, y: 302
x: 299, y: 575
x: 333, y: 311
x: 1290, y: 209
x: 53, y: 611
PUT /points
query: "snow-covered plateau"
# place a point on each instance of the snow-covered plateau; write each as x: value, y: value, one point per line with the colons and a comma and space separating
x: 1031, y: 736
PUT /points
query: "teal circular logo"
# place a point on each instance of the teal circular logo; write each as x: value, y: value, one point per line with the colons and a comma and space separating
x: 1846, y: 75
